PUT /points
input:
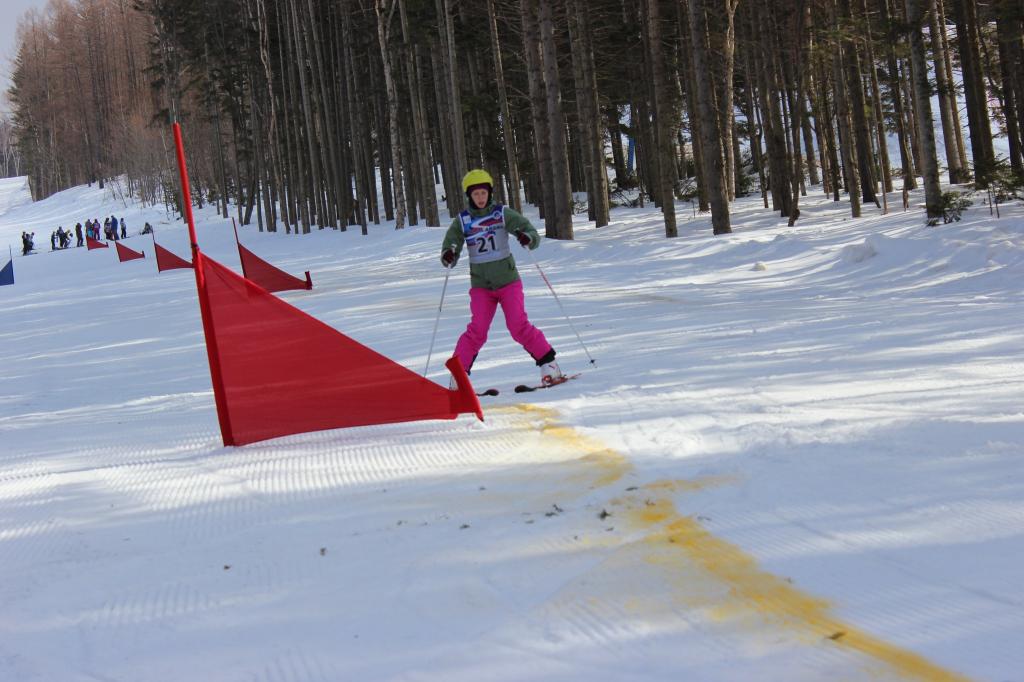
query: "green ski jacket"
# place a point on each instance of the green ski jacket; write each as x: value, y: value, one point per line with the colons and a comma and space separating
x: 499, y: 273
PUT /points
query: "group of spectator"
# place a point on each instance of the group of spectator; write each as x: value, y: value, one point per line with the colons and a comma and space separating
x: 61, y: 239
x: 112, y: 228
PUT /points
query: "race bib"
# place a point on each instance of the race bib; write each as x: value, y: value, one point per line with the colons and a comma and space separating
x: 486, y: 236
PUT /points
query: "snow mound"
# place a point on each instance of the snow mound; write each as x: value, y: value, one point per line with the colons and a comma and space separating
x: 858, y: 253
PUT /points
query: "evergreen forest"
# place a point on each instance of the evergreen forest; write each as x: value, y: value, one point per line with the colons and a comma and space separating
x: 313, y: 114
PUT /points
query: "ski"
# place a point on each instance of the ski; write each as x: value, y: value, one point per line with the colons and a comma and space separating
x: 524, y: 388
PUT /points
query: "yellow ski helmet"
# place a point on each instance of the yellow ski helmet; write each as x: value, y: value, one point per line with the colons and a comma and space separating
x: 477, y: 176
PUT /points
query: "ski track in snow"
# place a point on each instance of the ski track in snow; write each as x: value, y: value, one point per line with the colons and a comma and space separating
x: 782, y: 485
x: 205, y: 501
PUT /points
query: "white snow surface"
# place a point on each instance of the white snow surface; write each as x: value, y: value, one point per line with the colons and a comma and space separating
x: 798, y: 457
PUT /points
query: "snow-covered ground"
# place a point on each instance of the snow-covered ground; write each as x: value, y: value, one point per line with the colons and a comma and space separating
x: 798, y: 457
x: 14, y: 193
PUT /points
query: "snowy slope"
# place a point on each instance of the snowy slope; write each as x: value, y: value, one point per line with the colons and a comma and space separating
x: 798, y: 458
x: 14, y: 192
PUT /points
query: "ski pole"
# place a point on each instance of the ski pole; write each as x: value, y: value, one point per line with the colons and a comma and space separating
x: 447, y: 273
x: 560, y: 307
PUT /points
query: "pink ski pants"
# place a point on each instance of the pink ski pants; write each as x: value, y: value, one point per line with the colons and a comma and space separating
x: 483, y: 303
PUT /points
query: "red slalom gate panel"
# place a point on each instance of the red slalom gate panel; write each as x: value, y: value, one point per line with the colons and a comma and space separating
x: 94, y: 243
x: 124, y: 253
x: 267, y: 276
x: 284, y: 372
x: 168, y: 260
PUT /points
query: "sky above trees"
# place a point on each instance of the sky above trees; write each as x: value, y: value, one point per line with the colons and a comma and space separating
x: 8, y: 42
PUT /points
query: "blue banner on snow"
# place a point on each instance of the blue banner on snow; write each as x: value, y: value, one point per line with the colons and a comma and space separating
x: 7, y: 274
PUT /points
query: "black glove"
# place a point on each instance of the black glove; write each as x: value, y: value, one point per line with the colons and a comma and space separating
x: 524, y: 239
x: 448, y: 258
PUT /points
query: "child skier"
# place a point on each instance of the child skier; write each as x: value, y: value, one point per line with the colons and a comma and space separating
x: 484, y: 229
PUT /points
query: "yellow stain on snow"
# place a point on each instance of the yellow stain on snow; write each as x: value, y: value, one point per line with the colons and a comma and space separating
x: 751, y: 589
x: 604, y: 465
x: 703, y: 483
x: 746, y: 591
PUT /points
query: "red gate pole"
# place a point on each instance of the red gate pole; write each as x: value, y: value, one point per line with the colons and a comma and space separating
x: 239, y: 245
x: 219, y: 394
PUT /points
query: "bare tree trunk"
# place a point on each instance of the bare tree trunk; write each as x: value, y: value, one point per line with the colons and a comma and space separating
x: 823, y: 135
x: 538, y: 112
x: 358, y: 132
x: 711, y: 141
x: 965, y: 15
x: 693, y: 116
x: 304, y: 95
x: 848, y: 150
x: 1009, y: 36
x: 830, y: 136
x: 855, y: 91
x: 722, y: 41
x: 663, y: 124
x: 332, y: 187
x: 506, y: 115
x: 602, y: 207
x: 449, y: 165
x: 876, y: 105
x: 559, y: 149
x: 895, y: 94
x: 385, y: 10
x: 944, y: 87
x: 615, y: 136
x: 1013, y: 29
x: 954, y: 106
x: 919, y: 65
x: 458, y: 129
x: 421, y: 133
x: 812, y: 166
x: 770, y: 88
x: 591, y: 124
x: 799, y: 79
x: 754, y: 127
